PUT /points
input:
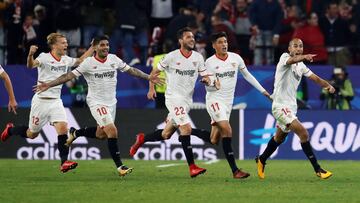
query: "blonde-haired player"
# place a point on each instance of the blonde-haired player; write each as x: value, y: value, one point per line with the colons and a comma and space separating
x: 47, y: 106
x: 289, y: 72
x: 100, y: 72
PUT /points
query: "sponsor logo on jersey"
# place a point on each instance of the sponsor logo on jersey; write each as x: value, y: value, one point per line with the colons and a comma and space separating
x: 229, y: 74
x: 108, y: 74
x: 185, y: 72
x: 58, y: 68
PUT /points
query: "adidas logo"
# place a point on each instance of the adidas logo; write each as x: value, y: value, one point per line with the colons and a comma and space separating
x: 171, y: 149
x: 44, y: 146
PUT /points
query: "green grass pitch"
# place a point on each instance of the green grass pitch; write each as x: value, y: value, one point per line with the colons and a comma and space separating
x: 97, y: 181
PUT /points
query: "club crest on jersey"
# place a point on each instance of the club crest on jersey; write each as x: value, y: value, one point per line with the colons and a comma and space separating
x: 94, y: 67
x: 177, y: 63
x: 113, y: 65
x: 195, y: 63
x: 233, y: 65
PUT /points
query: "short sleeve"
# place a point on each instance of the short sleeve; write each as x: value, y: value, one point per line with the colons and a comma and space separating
x: 306, y: 71
x: 82, y: 68
x: 283, y: 59
x: 41, y: 59
x: 121, y: 65
x: 201, y: 65
x: 241, y: 63
x: 1, y: 69
x: 164, y: 63
x: 70, y: 62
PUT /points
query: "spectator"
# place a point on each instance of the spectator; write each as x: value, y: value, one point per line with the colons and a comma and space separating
x: 3, y: 7
x: 219, y: 26
x: 45, y: 25
x: 344, y: 93
x: 242, y: 29
x: 68, y: 22
x: 131, y: 29
x: 161, y: 13
x: 14, y: 16
x: 185, y: 17
x: 92, y: 13
x: 226, y: 11
x: 336, y: 32
x: 290, y: 22
x: 265, y: 17
x: 313, y: 39
x: 30, y: 32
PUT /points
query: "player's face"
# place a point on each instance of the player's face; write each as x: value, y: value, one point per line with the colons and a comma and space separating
x: 102, y: 49
x: 188, y: 41
x: 296, y: 47
x: 221, y: 46
x: 61, y: 46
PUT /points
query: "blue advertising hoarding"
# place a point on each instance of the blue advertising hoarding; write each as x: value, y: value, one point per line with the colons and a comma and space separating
x: 334, y: 135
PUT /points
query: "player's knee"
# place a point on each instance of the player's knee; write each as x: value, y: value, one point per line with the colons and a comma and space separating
x: 185, y: 130
x: 166, y: 135
x: 304, y: 137
x: 101, y: 136
x: 32, y: 135
x: 214, y: 141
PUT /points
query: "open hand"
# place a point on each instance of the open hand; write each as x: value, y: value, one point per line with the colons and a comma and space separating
x: 154, y: 78
x: 41, y: 87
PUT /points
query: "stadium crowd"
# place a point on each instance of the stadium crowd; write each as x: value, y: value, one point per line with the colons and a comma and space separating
x: 259, y: 30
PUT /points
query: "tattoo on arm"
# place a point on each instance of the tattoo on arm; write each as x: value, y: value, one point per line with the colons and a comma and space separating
x: 62, y: 79
x: 138, y: 73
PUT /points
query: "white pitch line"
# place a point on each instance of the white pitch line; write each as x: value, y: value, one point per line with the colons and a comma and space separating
x: 169, y: 165
x: 212, y: 161
x: 179, y: 164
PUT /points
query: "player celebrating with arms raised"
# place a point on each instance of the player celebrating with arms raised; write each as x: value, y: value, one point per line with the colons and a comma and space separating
x: 47, y: 106
x: 225, y: 66
x: 288, y: 75
x: 100, y: 72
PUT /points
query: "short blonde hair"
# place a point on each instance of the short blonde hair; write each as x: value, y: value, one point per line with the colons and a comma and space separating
x: 52, y: 38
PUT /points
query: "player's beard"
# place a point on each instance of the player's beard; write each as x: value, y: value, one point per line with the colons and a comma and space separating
x: 187, y: 47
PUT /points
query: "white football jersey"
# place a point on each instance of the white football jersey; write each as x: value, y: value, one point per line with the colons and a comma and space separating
x: 101, y: 77
x: 50, y: 69
x: 1, y: 69
x: 226, y: 71
x: 287, y: 80
x: 181, y: 73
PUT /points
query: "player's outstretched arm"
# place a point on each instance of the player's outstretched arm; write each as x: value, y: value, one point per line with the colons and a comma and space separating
x: 323, y: 83
x: 252, y: 80
x: 151, y: 93
x: 88, y: 53
x: 300, y: 58
x: 9, y: 88
x: 43, y: 86
x: 153, y: 77
x: 31, y: 62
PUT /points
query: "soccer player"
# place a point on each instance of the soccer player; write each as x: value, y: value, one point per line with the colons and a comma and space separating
x: 100, y: 72
x: 224, y: 66
x: 182, y: 67
x: 47, y: 106
x: 12, y: 101
x: 288, y: 75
